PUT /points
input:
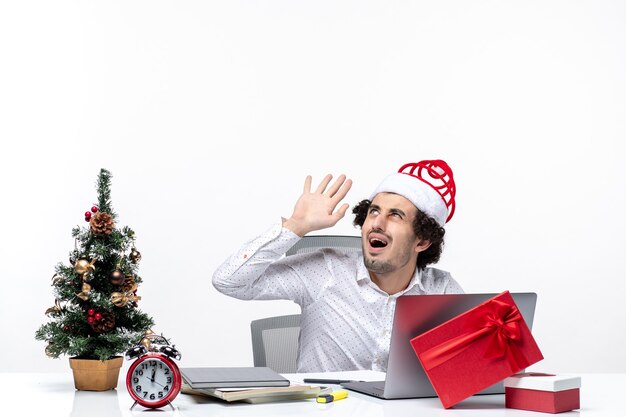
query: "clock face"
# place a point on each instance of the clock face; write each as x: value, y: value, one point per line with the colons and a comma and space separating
x: 153, y: 380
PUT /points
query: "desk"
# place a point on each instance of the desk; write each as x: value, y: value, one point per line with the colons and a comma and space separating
x: 52, y: 395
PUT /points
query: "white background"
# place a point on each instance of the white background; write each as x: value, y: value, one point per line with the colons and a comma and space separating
x: 210, y: 115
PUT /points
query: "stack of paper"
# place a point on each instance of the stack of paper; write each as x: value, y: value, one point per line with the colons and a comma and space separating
x: 259, y: 395
x: 248, y: 384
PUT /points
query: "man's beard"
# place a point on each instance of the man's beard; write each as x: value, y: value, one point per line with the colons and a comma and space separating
x: 376, y: 266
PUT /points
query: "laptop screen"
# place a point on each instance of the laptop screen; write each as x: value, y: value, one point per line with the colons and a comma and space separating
x: 416, y: 314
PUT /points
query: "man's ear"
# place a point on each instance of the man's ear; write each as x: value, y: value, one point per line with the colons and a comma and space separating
x: 422, y: 245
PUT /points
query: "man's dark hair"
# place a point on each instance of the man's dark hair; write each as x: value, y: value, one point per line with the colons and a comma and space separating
x: 424, y: 227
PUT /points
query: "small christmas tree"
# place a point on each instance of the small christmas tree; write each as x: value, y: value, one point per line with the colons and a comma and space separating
x: 95, y: 314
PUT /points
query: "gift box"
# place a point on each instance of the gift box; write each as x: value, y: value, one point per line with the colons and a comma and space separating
x: 542, y: 392
x: 476, y: 349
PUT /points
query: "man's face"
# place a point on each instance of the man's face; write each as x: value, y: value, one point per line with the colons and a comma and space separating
x: 389, y: 243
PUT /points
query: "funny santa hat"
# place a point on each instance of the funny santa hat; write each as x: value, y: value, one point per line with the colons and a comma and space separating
x: 429, y: 185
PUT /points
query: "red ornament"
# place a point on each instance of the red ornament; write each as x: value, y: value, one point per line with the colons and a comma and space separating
x: 87, y: 214
x: 90, y: 320
x: 91, y: 311
x: 98, y: 316
x: 94, y: 209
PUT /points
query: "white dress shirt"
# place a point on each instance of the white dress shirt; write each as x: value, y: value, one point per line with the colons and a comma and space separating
x: 346, y: 318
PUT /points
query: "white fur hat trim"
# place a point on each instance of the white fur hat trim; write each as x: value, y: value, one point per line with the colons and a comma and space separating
x: 422, y: 195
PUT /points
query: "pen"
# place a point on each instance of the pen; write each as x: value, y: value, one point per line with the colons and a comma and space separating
x: 333, y: 396
x: 326, y: 381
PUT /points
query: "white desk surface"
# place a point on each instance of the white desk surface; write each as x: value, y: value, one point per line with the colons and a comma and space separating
x: 53, y: 394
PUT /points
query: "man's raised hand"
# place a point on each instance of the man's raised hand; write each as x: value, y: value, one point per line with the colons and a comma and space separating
x: 317, y: 210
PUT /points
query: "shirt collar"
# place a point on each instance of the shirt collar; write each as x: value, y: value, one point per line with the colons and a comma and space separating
x: 416, y: 281
x: 364, y: 275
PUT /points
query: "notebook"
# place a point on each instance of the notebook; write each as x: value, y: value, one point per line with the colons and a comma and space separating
x: 414, y: 315
x: 232, y: 377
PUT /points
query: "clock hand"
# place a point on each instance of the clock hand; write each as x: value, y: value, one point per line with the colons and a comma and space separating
x: 153, y: 373
x: 163, y: 386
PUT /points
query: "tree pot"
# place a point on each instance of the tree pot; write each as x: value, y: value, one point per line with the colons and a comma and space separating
x: 94, y: 374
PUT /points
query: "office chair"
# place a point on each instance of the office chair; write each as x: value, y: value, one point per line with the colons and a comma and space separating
x: 275, y: 342
x: 275, y: 339
x: 312, y: 243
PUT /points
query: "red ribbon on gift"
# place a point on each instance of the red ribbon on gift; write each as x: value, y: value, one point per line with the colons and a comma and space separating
x: 495, y: 319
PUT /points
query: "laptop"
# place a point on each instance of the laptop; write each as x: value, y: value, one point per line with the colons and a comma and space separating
x: 414, y: 315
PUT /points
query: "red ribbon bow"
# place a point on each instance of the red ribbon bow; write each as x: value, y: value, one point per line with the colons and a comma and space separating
x: 495, y: 319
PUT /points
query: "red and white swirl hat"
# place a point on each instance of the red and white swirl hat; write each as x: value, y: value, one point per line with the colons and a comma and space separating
x: 429, y: 185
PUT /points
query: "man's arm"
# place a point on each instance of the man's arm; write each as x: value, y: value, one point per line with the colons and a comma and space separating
x: 256, y: 271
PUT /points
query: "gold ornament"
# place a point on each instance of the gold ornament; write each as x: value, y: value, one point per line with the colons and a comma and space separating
x: 56, y: 278
x: 83, y: 266
x: 146, y: 341
x: 120, y: 299
x: 148, y: 337
x: 56, y: 308
x: 135, y: 256
x: 86, y: 269
x: 50, y: 350
x: 85, y: 290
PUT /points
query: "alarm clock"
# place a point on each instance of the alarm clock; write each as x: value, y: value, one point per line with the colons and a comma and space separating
x: 154, y: 379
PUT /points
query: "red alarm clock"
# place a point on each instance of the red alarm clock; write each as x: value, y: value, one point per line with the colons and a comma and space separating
x: 153, y: 380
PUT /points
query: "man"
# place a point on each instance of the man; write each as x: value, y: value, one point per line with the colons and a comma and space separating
x: 348, y: 300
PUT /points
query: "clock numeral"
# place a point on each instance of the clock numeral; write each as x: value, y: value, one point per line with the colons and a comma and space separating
x: 160, y: 394
x: 166, y: 388
x: 167, y: 371
x: 138, y: 388
x: 135, y: 380
x: 138, y: 372
x: 169, y: 379
x: 145, y: 393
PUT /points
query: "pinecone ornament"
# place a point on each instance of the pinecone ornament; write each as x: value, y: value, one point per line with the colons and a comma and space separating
x: 129, y: 284
x: 101, y: 224
x: 105, y: 324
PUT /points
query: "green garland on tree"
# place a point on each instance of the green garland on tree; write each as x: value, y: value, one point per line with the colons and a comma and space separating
x: 95, y: 314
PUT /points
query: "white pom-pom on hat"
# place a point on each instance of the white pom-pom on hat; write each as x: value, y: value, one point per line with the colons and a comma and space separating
x: 428, y: 184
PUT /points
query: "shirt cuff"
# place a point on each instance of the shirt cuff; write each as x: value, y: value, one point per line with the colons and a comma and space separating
x: 277, y: 239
